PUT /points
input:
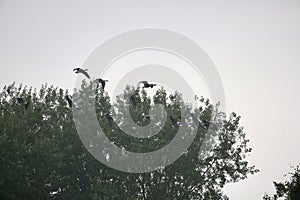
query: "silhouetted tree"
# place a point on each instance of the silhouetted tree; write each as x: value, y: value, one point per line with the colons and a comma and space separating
x: 289, y: 190
x: 42, y: 156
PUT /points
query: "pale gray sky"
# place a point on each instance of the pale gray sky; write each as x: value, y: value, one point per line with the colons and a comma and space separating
x: 254, y: 44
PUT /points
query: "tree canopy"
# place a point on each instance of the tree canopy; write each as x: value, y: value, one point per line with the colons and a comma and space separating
x: 42, y: 156
x: 289, y: 190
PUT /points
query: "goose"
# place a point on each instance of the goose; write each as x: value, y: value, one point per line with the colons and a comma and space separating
x: 99, y: 80
x: 147, y: 85
x: 83, y: 71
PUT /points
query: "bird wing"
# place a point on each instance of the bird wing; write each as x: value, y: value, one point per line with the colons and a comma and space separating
x: 85, y: 73
x: 145, y: 82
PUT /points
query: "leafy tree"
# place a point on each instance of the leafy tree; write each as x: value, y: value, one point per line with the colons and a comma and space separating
x: 42, y: 156
x: 289, y: 190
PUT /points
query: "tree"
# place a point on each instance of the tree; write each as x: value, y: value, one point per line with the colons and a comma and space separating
x: 289, y: 190
x: 42, y: 156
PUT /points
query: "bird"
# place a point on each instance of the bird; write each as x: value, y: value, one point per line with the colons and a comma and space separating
x: 99, y: 80
x: 83, y: 71
x: 147, y: 85
x: 69, y: 101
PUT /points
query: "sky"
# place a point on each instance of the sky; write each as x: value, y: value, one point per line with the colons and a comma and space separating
x: 254, y: 46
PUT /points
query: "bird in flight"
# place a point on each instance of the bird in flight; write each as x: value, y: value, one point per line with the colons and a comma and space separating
x: 147, y: 85
x: 99, y: 80
x: 83, y: 71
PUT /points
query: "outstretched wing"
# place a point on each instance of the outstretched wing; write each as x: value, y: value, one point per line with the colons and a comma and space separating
x: 85, y: 73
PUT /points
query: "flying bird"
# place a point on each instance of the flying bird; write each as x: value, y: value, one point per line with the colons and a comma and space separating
x: 70, y: 102
x: 147, y: 85
x: 99, y: 80
x: 83, y: 71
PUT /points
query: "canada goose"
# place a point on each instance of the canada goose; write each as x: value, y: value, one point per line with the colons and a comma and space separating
x: 147, y: 85
x: 83, y: 71
x: 102, y: 82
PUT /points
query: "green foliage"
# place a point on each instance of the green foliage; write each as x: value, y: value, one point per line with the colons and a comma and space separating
x: 289, y: 190
x: 42, y: 156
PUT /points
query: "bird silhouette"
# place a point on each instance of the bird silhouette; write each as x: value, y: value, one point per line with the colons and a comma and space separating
x: 147, y: 85
x: 99, y: 80
x: 70, y: 102
x: 83, y: 71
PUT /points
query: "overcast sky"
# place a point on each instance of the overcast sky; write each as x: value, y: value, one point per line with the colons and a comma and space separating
x: 254, y: 45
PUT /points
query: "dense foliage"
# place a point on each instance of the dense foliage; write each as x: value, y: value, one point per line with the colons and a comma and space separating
x: 289, y: 190
x: 42, y: 156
